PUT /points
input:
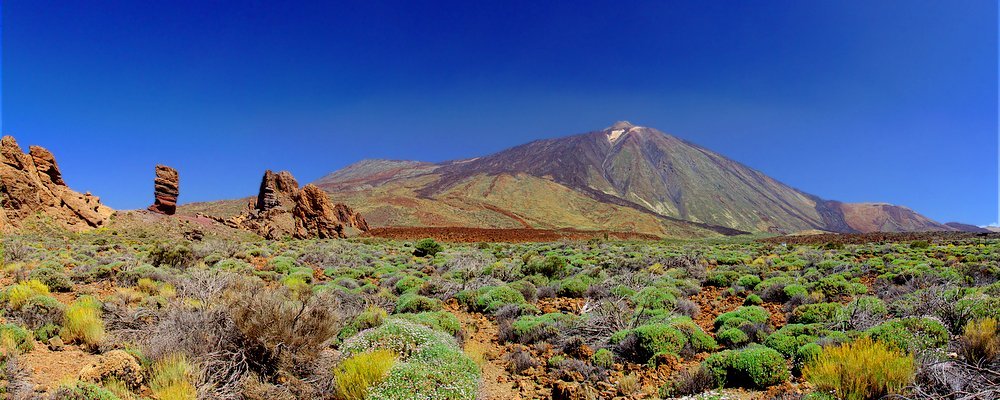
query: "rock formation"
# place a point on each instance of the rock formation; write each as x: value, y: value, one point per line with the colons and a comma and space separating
x: 317, y: 216
x: 32, y: 184
x: 282, y: 209
x: 166, y: 188
x: 275, y: 189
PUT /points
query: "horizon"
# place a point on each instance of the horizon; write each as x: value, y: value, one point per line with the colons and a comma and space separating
x: 894, y: 89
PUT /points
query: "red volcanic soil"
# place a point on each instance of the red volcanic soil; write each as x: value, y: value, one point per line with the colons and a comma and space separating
x: 878, y: 237
x: 472, y: 235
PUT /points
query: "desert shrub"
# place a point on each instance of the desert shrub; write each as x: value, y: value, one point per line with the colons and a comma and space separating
x: 574, y: 287
x: 654, y: 298
x: 408, y: 284
x: 519, y: 361
x: 38, y: 311
x: 862, y: 313
x: 531, y: 328
x: 527, y: 289
x: 837, y: 284
x: 911, y: 334
x: 748, y: 281
x: 172, y: 378
x: 437, y: 320
x: 603, y: 358
x: 355, y: 375
x: 642, y: 344
x: 795, y: 290
x: 82, y: 322
x: 15, y: 338
x: 283, y: 330
x: 733, y: 337
x: 18, y: 294
x: 491, y: 298
x: 741, y: 316
x: 234, y: 265
x: 791, y: 337
x: 815, y: 313
x: 282, y: 264
x: 427, y: 247
x: 370, y: 318
x: 414, y: 303
x: 171, y: 255
x: 980, y: 342
x: 430, y: 363
x: 688, y: 382
x: 52, y: 277
x: 722, y: 278
x: 46, y: 332
x: 551, y: 266
x: 83, y: 391
x: 752, y: 367
x: 860, y: 370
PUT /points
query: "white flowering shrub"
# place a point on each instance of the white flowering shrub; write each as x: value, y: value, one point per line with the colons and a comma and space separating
x: 431, y: 365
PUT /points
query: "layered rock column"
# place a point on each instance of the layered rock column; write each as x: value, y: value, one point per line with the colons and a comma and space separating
x: 166, y: 189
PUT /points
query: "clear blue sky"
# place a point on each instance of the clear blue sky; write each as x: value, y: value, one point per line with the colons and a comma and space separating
x: 892, y: 101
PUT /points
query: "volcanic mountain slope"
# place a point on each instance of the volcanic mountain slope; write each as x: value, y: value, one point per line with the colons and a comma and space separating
x: 625, y: 177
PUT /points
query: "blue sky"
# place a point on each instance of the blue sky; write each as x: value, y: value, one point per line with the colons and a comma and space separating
x: 891, y: 101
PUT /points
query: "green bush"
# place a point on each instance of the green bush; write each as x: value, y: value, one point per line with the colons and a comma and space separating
x: 574, y: 287
x: 654, y: 298
x: 409, y: 284
x: 430, y: 363
x: 83, y: 391
x: 603, y: 358
x: 550, y: 266
x: 15, y: 338
x: 532, y: 328
x: 666, y: 338
x: 815, y: 313
x: 742, y: 316
x: 52, y: 277
x: 752, y: 367
x: 427, y: 247
x: 438, y: 320
x: 913, y: 334
x: 753, y: 300
x: 414, y: 303
x: 491, y: 298
x: 795, y: 290
x: 791, y: 337
x: 732, y: 337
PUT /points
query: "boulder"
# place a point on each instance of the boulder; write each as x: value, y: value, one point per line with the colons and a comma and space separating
x: 32, y: 184
x: 115, y: 364
x: 166, y: 189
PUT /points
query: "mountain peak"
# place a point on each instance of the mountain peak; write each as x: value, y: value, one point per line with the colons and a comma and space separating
x: 620, y: 125
x: 619, y: 129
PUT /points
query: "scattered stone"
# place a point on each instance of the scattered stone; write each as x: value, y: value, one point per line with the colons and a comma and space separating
x: 31, y: 184
x: 55, y: 343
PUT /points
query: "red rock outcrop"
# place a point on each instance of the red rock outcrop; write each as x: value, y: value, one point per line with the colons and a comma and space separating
x: 276, y: 189
x: 281, y: 209
x: 31, y: 184
x: 166, y: 189
x: 315, y: 215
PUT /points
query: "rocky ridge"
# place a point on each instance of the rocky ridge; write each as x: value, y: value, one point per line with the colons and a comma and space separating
x: 31, y: 184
